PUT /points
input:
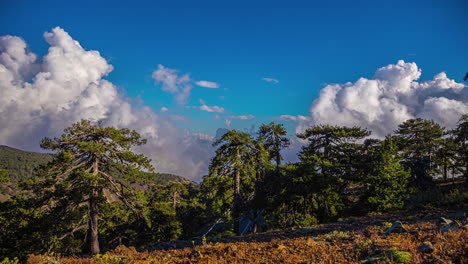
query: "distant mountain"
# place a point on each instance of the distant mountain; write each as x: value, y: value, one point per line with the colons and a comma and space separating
x: 21, y: 165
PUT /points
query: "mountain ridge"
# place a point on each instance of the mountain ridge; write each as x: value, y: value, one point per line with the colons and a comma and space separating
x: 21, y: 165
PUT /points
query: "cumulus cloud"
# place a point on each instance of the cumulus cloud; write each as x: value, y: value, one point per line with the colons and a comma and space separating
x: 270, y: 80
x: 211, y: 109
x: 164, y: 109
x: 39, y: 98
x: 241, y: 117
x: 392, y: 96
x: 207, y: 84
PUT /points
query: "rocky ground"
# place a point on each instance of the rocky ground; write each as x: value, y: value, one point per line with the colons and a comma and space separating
x: 409, y: 237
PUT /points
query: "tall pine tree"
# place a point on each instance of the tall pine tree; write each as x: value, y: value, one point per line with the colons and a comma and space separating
x: 90, y: 160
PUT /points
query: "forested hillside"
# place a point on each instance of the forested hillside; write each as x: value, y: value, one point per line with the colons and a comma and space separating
x: 20, y: 165
x: 107, y: 196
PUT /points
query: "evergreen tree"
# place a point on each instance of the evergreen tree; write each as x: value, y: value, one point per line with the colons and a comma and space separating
x: 334, y: 149
x: 387, y: 180
x: 91, y: 159
x: 420, y: 139
x: 233, y: 162
x: 328, y: 165
x: 461, y: 139
x: 3, y: 176
x: 446, y: 155
x: 273, y: 137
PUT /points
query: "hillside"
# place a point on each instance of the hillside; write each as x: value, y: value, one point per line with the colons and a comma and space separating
x: 426, y: 239
x: 21, y: 165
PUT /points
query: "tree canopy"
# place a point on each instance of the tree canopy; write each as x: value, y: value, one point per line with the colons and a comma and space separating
x: 91, y: 159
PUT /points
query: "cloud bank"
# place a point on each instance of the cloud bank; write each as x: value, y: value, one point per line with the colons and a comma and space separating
x: 392, y: 96
x: 39, y: 98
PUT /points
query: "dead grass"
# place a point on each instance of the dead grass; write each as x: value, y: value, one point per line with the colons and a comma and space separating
x: 332, y: 247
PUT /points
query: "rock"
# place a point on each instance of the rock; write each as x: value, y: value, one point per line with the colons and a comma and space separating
x: 426, y: 247
x: 397, y: 227
x: 447, y: 225
x: 445, y: 221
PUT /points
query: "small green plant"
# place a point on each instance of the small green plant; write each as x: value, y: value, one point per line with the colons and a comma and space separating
x: 387, y: 224
x: 393, y: 255
x: 104, y: 258
x: 10, y: 261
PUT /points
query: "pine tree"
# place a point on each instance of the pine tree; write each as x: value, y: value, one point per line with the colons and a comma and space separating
x: 419, y: 139
x: 328, y: 165
x: 387, y: 180
x: 461, y: 139
x: 273, y: 137
x: 90, y: 160
x: 233, y: 162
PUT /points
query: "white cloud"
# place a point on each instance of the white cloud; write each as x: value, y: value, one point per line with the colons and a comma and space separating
x: 298, y: 118
x: 202, y: 136
x: 207, y: 84
x: 241, y: 117
x: 392, y: 96
x: 163, y: 109
x: 212, y: 109
x: 39, y: 98
x: 270, y: 80
x: 227, y: 122
x: 173, y: 83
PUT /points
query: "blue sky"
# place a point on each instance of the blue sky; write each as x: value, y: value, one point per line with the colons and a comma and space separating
x: 304, y: 45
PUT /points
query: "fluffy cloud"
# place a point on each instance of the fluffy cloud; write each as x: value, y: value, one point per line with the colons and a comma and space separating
x: 211, y: 109
x: 163, y: 109
x: 39, y: 98
x: 207, y: 84
x: 392, y: 96
x: 270, y: 80
x: 173, y: 83
x: 241, y: 117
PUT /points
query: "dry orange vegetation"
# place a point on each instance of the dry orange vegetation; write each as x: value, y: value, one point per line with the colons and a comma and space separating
x: 322, y: 244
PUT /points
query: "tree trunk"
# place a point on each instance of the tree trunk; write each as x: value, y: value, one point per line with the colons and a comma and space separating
x: 445, y: 170
x: 174, y: 199
x: 466, y: 175
x: 93, y: 213
x: 255, y: 222
x: 278, y: 161
x: 236, y: 209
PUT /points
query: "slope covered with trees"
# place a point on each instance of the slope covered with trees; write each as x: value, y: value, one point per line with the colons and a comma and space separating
x: 19, y: 165
x: 342, y: 172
